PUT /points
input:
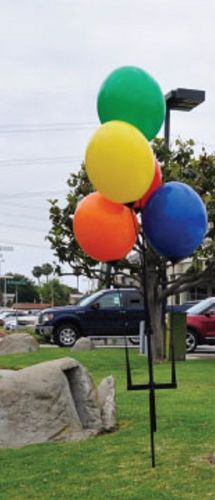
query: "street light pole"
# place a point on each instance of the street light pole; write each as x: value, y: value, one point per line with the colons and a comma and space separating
x: 1, y: 262
x: 167, y: 127
x: 180, y: 100
x: 177, y: 100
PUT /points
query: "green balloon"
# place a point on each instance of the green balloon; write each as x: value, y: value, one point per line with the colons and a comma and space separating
x: 130, y: 94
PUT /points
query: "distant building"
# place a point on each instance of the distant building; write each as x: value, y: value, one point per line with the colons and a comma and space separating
x: 26, y: 306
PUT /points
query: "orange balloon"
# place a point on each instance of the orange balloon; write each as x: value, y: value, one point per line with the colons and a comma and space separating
x: 105, y: 230
x: 156, y: 183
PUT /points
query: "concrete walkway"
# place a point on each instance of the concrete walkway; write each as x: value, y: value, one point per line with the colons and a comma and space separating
x: 6, y: 373
x: 202, y: 352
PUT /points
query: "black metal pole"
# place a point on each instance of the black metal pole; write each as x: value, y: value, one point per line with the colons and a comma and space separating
x: 172, y: 346
x: 152, y: 408
x: 151, y: 386
x: 148, y: 333
x: 163, y: 263
x: 167, y: 126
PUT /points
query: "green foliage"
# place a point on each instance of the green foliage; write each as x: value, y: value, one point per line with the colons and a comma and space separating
x: 27, y: 291
x: 183, y: 441
x: 55, y: 293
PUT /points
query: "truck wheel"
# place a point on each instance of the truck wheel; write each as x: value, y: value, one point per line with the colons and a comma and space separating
x: 191, y: 341
x: 66, y: 335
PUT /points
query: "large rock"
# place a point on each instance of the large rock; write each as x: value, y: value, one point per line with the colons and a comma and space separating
x: 84, y: 344
x: 18, y: 342
x: 106, y: 400
x: 52, y: 401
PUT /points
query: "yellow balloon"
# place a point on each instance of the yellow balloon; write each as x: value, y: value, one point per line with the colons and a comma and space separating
x: 119, y: 162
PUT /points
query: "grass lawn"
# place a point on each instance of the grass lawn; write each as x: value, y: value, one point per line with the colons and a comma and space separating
x: 117, y: 465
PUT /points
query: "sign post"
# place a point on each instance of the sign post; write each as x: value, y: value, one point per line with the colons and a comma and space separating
x: 16, y: 283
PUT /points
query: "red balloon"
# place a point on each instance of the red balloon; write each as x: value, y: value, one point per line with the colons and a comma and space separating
x: 105, y: 230
x: 156, y: 183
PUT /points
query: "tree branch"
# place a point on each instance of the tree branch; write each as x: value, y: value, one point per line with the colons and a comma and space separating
x: 186, y: 280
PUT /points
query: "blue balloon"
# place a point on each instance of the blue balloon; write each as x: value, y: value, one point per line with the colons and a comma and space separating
x: 175, y: 220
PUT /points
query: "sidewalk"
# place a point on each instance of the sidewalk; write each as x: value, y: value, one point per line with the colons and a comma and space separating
x: 202, y: 352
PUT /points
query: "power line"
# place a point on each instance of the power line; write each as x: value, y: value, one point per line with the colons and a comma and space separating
x: 43, y: 210
x: 38, y: 161
x: 19, y: 128
x: 30, y: 194
x: 21, y: 216
x: 46, y: 127
x: 17, y: 226
x: 24, y: 244
x: 21, y: 205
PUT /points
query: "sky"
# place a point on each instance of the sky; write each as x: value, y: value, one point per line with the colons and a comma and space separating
x: 54, y: 57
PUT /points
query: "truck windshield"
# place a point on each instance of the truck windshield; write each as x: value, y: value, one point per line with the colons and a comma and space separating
x: 90, y: 298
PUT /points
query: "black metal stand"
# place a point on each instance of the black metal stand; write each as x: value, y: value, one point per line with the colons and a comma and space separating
x: 152, y: 385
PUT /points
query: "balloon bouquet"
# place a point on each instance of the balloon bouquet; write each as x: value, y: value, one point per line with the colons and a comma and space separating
x: 121, y: 166
x: 127, y: 179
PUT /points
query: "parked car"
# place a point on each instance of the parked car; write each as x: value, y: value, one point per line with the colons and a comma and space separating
x: 201, y: 324
x: 4, y: 313
x: 114, y: 312
x: 110, y: 312
x: 20, y: 319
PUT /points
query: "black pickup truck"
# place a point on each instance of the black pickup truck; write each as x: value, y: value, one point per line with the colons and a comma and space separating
x: 111, y: 312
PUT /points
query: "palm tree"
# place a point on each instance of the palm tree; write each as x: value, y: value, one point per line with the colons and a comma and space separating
x: 37, y: 273
x: 47, y: 269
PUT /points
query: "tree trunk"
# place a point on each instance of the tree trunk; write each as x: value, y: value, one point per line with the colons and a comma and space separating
x: 154, y: 291
x: 158, y: 331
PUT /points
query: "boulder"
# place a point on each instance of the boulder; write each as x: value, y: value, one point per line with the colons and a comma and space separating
x: 106, y: 401
x: 51, y: 401
x: 6, y: 373
x: 18, y: 342
x: 83, y: 344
